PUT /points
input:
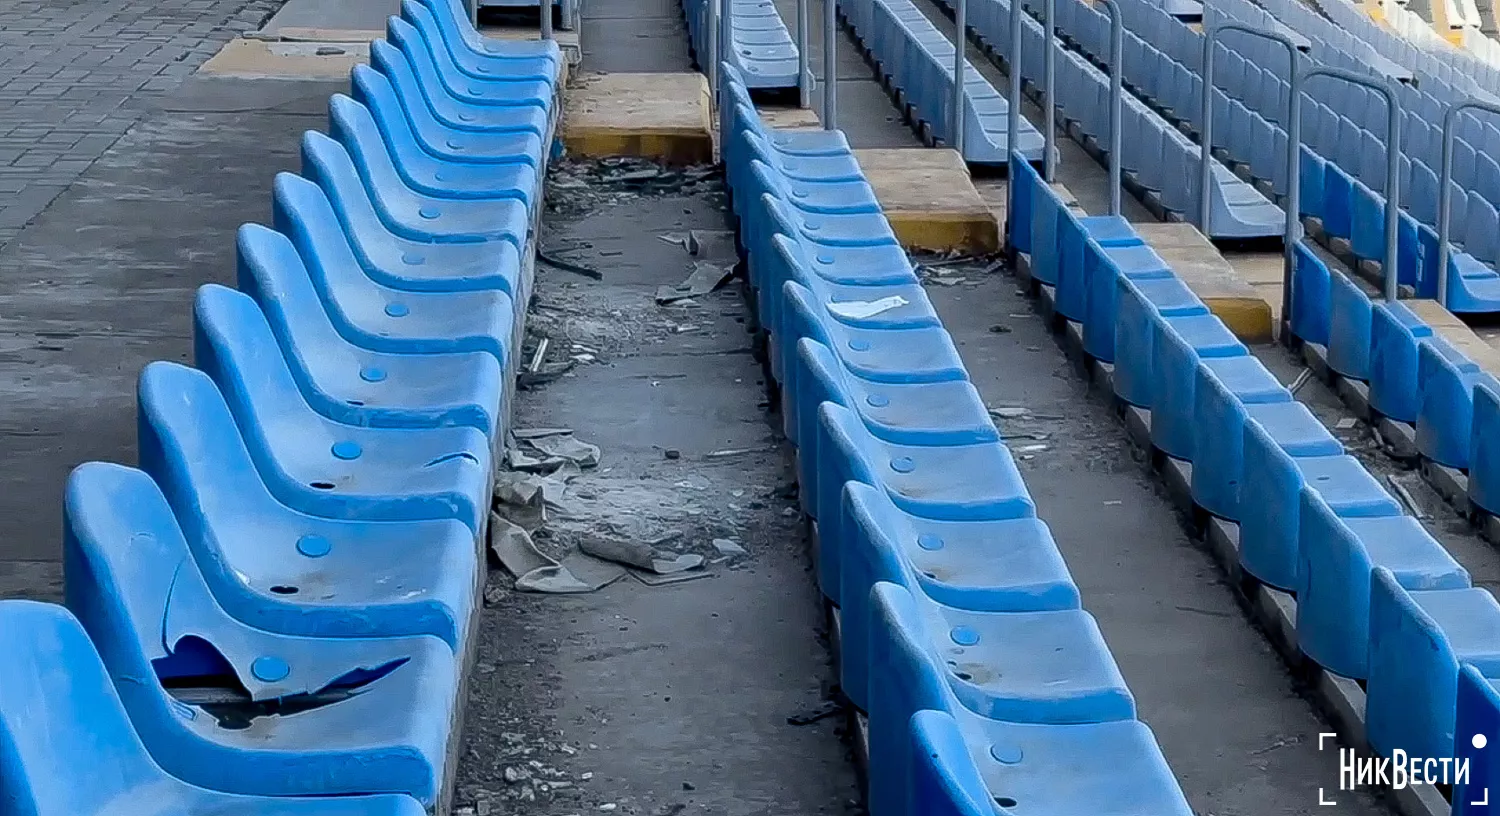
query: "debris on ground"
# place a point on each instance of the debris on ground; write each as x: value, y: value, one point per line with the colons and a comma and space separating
x: 641, y: 555
x: 545, y: 450
x: 727, y: 546
x: 706, y: 278
x: 568, y: 266
x: 1404, y: 493
x: 1346, y: 423
x: 713, y: 244
x: 862, y: 309
x: 822, y: 712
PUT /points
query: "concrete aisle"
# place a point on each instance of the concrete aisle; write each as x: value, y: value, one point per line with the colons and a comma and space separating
x: 676, y: 698
x: 1230, y: 718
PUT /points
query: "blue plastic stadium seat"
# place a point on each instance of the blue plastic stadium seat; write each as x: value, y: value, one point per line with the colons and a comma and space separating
x: 1005, y: 566
x: 249, y: 711
x: 286, y: 571
x: 942, y: 413
x: 418, y: 88
x: 1141, y: 308
x: 373, y: 316
x: 1077, y: 237
x: 1419, y: 640
x: 1445, y: 416
x: 1339, y: 555
x: 1271, y: 503
x: 390, y: 164
x: 976, y: 482
x: 1348, y: 327
x: 1231, y: 392
x: 60, y: 714
x: 1395, y: 335
x: 1478, y: 713
x: 402, y: 120
x: 321, y: 467
x: 1310, y: 296
x: 1484, y: 451
x: 1103, y: 267
x: 1113, y: 768
x: 446, y: 22
x: 304, y: 212
x: 1182, y: 344
x: 338, y: 379
x: 437, y: 71
x: 405, y: 212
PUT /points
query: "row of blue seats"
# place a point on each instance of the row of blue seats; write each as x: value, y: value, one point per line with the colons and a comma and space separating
x: 1378, y: 599
x: 1415, y: 375
x: 962, y: 636
x: 760, y: 47
x: 1347, y: 206
x: 1346, y: 126
x: 1160, y: 157
x: 916, y: 59
x: 274, y: 612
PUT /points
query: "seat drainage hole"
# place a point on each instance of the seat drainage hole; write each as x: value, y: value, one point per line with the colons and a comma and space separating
x: 322, y: 485
x: 1005, y: 801
x: 963, y: 675
x: 280, y: 589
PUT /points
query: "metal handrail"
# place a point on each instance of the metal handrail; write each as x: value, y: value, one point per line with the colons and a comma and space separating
x: 960, y: 40
x: 1392, y: 167
x: 1294, y: 139
x: 1116, y: 100
x: 830, y: 65
x: 1445, y: 192
x: 804, y: 75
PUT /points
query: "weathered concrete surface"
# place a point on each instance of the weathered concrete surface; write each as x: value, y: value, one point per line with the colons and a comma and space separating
x: 1229, y: 717
x: 673, y: 698
x: 103, y: 283
x: 74, y: 77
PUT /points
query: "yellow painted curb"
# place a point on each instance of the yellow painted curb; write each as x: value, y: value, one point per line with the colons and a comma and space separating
x: 664, y: 117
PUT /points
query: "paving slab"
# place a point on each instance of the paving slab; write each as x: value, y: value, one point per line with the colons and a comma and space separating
x: 667, y: 117
x: 929, y: 199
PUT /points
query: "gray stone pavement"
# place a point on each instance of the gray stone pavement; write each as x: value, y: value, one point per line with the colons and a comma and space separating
x: 73, y: 76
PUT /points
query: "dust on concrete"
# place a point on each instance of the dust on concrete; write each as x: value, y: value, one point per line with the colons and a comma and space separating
x: 669, y: 699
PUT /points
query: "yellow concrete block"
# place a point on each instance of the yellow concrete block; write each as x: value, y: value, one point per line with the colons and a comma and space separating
x: 258, y: 59
x: 929, y: 199
x: 665, y: 117
x: 790, y: 118
x: 1197, y: 262
x: 1449, y: 327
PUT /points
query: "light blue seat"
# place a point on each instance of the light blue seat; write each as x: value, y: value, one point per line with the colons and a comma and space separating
x: 1419, y: 641
x: 446, y: 22
x: 405, y: 212
x: 1396, y: 333
x: 1074, y: 236
x: 391, y: 164
x: 402, y: 120
x: 921, y: 414
x: 1142, y: 307
x: 249, y: 711
x: 376, y: 317
x: 812, y: 196
x: 1310, y: 296
x: 945, y: 759
x: 1445, y: 415
x: 1271, y: 502
x: 975, y: 482
x: 1484, y: 450
x: 915, y: 355
x: 1339, y: 555
x: 340, y: 380
x: 285, y: 571
x: 1228, y: 390
x: 981, y: 578
x: 1348, y: 327
x: 435, y: 67
x: 418, y: 87
x: 70, y: 749
x: 1478, y: 713
x: 301, y: 209
x: 321, y: 467
x: 1182, y: 344
x: 1103, y: 267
